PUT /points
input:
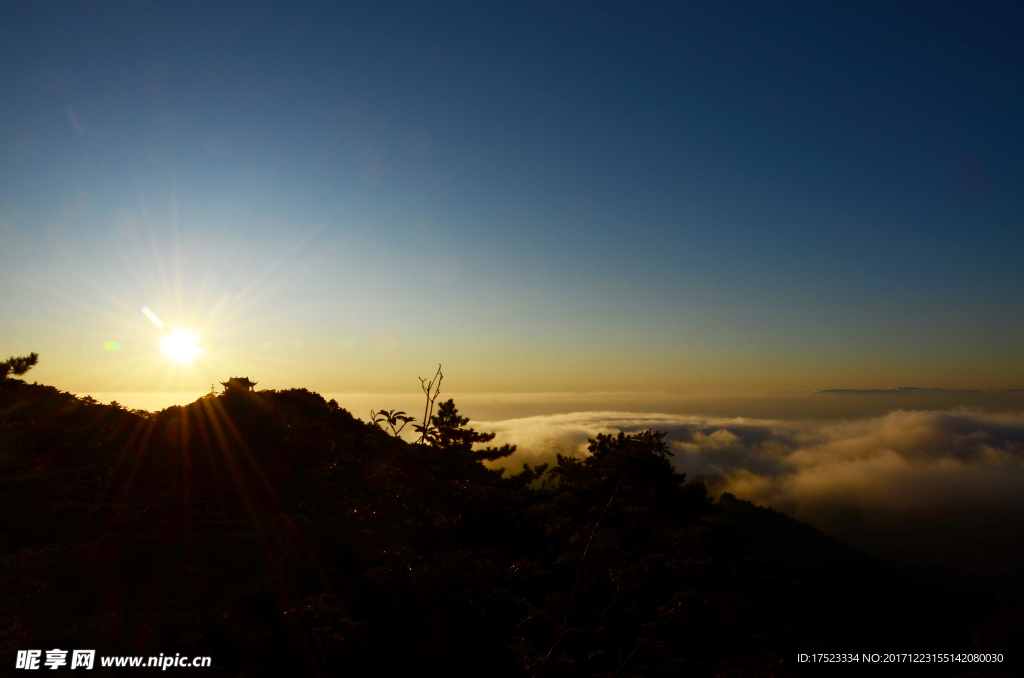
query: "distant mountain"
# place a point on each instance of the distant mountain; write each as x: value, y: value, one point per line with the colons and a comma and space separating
x: 906, y: 389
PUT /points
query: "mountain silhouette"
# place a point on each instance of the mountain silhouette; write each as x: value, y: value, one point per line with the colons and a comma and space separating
x: 278, y: 534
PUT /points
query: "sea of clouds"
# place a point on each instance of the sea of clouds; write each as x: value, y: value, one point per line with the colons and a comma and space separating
x: 946, y: 486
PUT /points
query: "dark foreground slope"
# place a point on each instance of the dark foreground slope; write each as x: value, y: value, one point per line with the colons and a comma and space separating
x: 279, y: 535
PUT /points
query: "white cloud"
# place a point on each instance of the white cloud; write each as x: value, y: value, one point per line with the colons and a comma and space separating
x: 901, y: 471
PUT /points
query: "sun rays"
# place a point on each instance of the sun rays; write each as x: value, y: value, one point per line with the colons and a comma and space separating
x: 180, y: 346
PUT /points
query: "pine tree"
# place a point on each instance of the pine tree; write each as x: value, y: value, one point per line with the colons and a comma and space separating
x: 18, y: 366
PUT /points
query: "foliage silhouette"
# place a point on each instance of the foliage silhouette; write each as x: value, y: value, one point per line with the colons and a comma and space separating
x: 278, y: 534
x: 393, y: 418
x: 18, y: 366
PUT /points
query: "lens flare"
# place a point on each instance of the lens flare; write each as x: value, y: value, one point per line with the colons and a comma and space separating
x: 153, y: 317
x: 180, y: 346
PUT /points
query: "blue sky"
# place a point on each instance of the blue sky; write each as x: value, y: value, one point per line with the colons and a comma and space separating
x: 543, y: 196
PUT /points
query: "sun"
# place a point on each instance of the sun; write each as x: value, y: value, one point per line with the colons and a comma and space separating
x: 180, y: 346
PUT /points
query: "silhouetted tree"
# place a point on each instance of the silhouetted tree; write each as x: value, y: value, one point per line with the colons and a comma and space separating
x: 450, y: 429
x: 18, y: 366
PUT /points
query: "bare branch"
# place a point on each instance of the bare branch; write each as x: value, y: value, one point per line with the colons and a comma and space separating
x: 431, y: 390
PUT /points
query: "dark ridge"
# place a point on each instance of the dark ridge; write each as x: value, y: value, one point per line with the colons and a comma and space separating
x: 776, y: 536
x: 279, y: 535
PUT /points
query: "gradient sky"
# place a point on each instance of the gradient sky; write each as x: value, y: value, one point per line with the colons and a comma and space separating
x: 540, y: 196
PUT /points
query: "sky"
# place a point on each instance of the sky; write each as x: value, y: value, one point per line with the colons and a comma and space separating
x: 542, y: 197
